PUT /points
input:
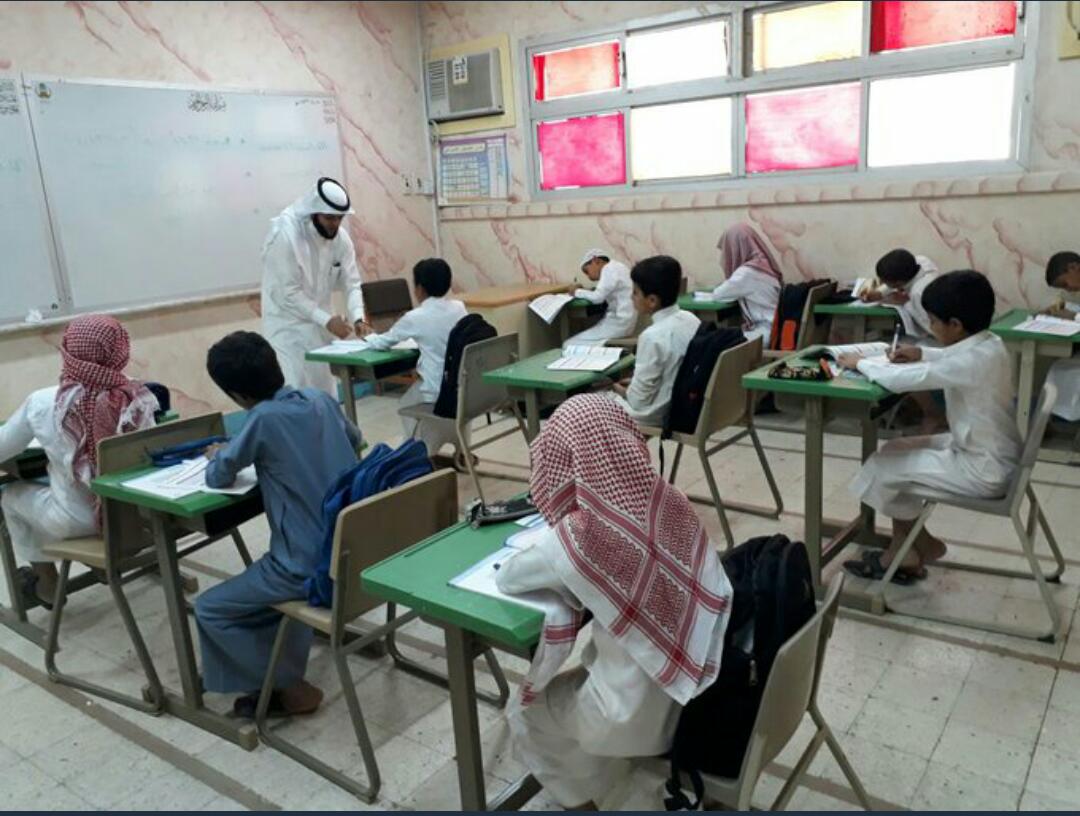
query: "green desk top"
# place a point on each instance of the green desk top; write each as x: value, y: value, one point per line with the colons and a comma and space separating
x: 419, y: 578
x: 688, y: 303
x: 579, y: 303
x: 532, y: 372
x: 111, y: 487
x: 364, y: 359
x: 855, y: 311
x: 845, y: 388
x: 1003, y: 328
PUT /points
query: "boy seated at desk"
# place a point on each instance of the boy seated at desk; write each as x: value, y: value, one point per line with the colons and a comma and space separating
x: 977, y: 456
x: 905, y: 277
x: 751, y: 277
x: 94, y: 400
x: 614, y: 289
x: 1063, y: 272
x: 662, y: 346
x: 299, y: 442
x: 429, y: 324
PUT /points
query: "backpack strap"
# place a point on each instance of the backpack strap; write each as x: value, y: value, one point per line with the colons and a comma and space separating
x: 677, y: 800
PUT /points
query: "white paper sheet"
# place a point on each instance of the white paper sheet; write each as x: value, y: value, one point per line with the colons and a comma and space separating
x: 547, y: 307
x: 586, y: 358
x: 705, y: 297
x: 480, y: 578
x: 1044, y: 324
x: 353, y: 346
x: 182, y: 480
x: 867, y: 350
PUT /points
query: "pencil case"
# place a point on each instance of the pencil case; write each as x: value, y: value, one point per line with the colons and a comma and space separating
x: 177, y: 454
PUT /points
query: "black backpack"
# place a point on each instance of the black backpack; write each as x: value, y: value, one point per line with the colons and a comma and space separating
x: 773, y: 598
x: 470, y: 329
x: 789, y: 312
x: 692, y: 378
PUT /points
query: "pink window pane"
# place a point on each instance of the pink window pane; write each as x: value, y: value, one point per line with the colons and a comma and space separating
x: 803, y: 130
x: 586, y: 152
x: 576, y: 71
x: 896, y: 24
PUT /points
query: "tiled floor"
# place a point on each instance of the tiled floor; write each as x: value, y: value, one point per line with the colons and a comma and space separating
x: 931, y: 716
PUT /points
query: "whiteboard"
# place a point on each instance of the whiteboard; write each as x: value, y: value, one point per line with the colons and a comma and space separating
x: 159, y: 193
x: 27, y: 262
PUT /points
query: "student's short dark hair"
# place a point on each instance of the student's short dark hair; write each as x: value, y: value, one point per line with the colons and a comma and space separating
x: 966, y: 295
x: 243, y: 363
x: 660, y: 275
x: 897, y: 266
x: 434, y: 275
x: 1059, y: 264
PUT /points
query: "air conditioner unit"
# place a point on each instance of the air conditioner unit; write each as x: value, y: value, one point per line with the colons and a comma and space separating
x: 464, y: 86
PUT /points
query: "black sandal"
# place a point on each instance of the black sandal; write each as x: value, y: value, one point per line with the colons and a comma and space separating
x: 28, y: 590
x: 869, y: 566
x: 244, y: 707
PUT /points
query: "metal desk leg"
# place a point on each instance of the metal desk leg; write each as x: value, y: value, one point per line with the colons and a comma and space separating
x: 858, y: 329
x: 869, y: 448
x: 461, y: 650
x: 1026, y: 387
x: 812, y: 497
x: 348, y: 397
x: 532, y: 413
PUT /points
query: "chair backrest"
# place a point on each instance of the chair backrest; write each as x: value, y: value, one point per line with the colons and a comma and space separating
x: 792, y: 684
x: 477, y: 397
x: 810, y: 332
x: 726, y: 401
x: 1037, y: 425
x: 386, y: 300
x: 383, y: 525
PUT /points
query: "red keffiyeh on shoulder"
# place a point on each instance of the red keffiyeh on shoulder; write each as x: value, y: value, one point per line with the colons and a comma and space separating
x: 641, y: 561
x: 96, y: 400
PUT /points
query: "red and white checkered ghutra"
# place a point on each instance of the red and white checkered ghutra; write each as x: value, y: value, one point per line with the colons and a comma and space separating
x: 641, y: 561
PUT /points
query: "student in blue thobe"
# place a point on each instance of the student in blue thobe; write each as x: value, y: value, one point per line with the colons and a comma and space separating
x: 299, y: 442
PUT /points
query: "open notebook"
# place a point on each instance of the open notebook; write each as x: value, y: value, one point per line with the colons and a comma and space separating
x: 182, y: 480
x: 547, y: 307
x: 353, y: 346
x: 586, y: 358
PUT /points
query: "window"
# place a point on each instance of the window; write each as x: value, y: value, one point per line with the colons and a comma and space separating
x: 781, y: 89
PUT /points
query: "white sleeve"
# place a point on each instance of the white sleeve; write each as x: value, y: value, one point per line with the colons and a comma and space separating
x: 648, y: 375
x: 742, y: 283
x: 934, y: 372
x: 533, y: 569
x: 282, y: 276
x: 403, y: 329
x: 350, y: 282
x: 16, y: 434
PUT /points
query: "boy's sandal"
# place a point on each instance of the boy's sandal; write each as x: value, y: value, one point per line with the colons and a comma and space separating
x: 869, y: 566
x: 244, y: 707
x: 28, y: 589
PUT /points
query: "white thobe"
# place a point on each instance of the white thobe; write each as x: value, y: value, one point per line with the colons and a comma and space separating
x: 301, y: 270
x: 914, y: 289
x: 758, y: 294
x: 1065, y: 374
x: 616, y: 290
x: 660, y: 351
x: 36, y: 513
x: 977, y: 457
x: 429, y: 324
x: 576, y: 736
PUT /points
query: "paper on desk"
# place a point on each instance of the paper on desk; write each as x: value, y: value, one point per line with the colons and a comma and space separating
x: 480, y: 578
x: 1044, y: 324
x: 586, y: 358
x: 353, y: 346
x: 524, y: 539
x: 705, y: 297
x: 549, y: 306
x: 867, y: 350
x: 901, y: 313
x: 182, y: 480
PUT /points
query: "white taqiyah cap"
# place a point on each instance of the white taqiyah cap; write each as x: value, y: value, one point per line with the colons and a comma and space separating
x: 593, y: 253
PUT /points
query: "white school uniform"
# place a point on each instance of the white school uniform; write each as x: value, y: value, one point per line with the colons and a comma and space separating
x: 616, y: 289
x: 38, y: 514
x: 758, y: 294
x: 576, y: 735
x: 976, y: 457
x: 429, y: 324
x: 1065, y: 374
x: 660, y: 350
x: 926, y: 275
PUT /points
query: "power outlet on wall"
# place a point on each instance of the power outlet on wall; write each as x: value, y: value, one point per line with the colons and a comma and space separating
x: 417, y: 185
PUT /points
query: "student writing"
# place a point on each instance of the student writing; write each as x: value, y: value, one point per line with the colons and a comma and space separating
x: 614, y: 288
x: 906, y: 277
x: 752, y: 278
x: 1063, y: 273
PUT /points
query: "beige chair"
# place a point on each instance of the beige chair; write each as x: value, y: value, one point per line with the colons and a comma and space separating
x: 125, y: 552
x: 385, y: 301
x: 367, y: 532
x: 790, y: 693
x: 727, y: 404
x: 1009, y: 507
x: 477, y: 398
x: 811, y: 331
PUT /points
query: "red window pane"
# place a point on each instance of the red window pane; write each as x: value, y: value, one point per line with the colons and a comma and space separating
x: 896, y: 24
x: 804, y: 129
x: 584, y: 152
x: 576, y: 71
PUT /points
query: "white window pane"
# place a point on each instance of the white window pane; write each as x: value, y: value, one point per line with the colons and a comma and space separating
x: 821, y: 32
x: 955, y: 117
x: 677, y: 54
x: 681, y: 140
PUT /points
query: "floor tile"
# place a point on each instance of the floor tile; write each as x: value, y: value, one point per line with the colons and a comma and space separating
x: 946, y: 788
x: 978, y: 751
x: 906, y: 729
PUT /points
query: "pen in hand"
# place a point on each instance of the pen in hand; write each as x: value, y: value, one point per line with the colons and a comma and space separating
x: 895, y: 340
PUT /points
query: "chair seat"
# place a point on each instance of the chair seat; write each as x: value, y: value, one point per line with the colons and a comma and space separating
x: 424, y: 410
x: 89, y: 551
x: 993, y: 507
x: 317, y: 617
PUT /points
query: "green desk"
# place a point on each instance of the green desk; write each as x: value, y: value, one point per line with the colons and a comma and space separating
x: 840, y: 397
x: 531, y: 380
x: 716, y: 310
x: 860, y: 317
x: 1030, y: 347
x: 215, y: 516
x: 418, y: 578
x: 361, y: 366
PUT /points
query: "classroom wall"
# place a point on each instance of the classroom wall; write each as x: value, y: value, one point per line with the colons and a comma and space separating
x: 367, y: 54
x: 1005, y: 226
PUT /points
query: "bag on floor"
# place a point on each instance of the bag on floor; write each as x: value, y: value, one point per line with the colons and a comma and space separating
x: 382, y: 469
x: 773, y: 597
x: 789, y: 314
x: 470, y: 329
x: 692, y: 379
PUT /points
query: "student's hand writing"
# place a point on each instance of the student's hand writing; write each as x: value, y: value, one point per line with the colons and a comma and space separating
x: 211, y: 450
x: 906, y: 354
x: 619, y: 388
x: 338, y: 327
x: 871, y: 296
x: 1059, y: 310
x: 896, y: 298
x: 363, y: 329
x: 849, y: 360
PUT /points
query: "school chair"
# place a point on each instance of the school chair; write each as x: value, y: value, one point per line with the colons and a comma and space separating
x: 477, y: 398
x: 1008, y: 506
x: 385, y: 301
x: 811, y: 331
x: 367, y: 532
x: 727, y: 405
x: 790, y: 693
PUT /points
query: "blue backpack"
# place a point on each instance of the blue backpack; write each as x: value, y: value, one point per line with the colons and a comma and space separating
x: 382, y: 469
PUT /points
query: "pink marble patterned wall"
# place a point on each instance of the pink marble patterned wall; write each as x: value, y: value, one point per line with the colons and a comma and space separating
x: 366, y: 54
x: 1005, y: 226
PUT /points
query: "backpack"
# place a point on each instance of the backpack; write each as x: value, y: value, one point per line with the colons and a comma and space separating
x: 773, y: 597
x: 692, y: 378
x: 789, y: 313
x: 382, y: 469
x: 470, y: 329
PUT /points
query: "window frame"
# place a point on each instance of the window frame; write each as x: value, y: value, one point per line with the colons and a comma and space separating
x: 1019, y: 49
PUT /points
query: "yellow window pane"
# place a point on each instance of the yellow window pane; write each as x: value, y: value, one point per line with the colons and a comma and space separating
x: 817, y: 33
x: 682, y: 140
